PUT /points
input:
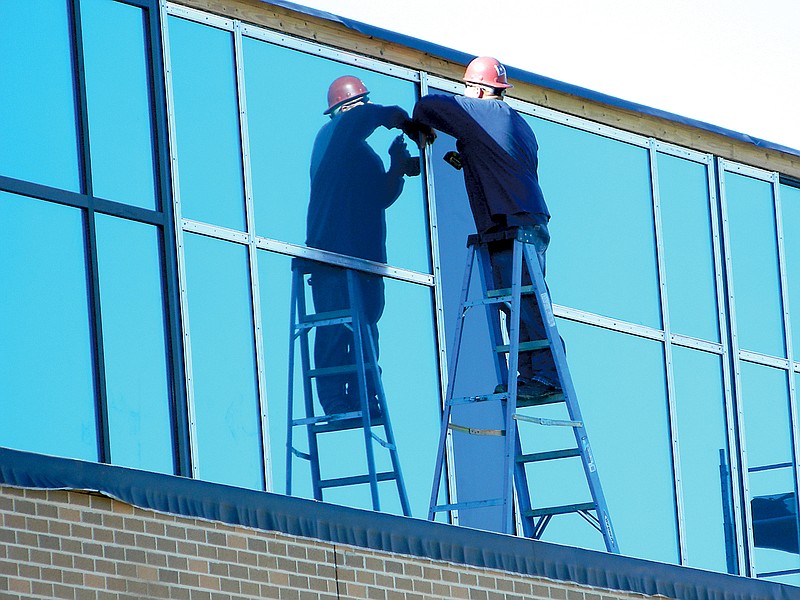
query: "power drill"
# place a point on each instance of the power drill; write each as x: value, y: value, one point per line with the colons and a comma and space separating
x: 453, y: 158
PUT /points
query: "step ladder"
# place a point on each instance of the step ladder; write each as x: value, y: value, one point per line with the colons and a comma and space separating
x: 532, y: 520
x: 365, y: 368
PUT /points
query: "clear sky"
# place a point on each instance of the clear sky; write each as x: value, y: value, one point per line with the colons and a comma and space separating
x: 731, y: 63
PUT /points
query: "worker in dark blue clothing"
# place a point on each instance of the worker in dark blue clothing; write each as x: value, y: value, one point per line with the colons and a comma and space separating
x: 350, y: 192
x: 499, y: 155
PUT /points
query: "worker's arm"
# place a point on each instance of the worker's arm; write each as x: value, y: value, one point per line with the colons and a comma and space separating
x: 444, y: 113
x: 362, y: 120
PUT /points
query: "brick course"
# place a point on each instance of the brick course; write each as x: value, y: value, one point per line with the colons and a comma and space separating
x: 78, y: 545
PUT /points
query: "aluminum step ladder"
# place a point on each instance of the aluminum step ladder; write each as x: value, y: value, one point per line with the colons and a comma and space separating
x: 302, y: 323
x: 533, y: 520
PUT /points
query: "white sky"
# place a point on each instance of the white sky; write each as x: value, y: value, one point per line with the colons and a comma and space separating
x: 731, y: 63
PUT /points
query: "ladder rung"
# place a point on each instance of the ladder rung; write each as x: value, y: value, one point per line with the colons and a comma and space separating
x: 547, y: 422
x: 472, y: 399
x: 474, y: 431
x: 344, y: 369
x: 467, y: 505
x: 560, y: 510
x: 356, y: 480
x: 346, y: 424
x: 524, y: 346
x: 315, y: 318
x: 525, y: 289
x: 551, y: 455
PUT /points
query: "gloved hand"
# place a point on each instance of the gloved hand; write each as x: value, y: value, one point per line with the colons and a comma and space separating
x: 419, y: 132
x: 402, y: 161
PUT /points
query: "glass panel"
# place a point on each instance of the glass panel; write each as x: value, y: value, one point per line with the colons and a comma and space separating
x: 207, y: 124
x: 37, y: 94
x: 754, y: 254
x: 44, y: 327
x: 765, y: 404
x: 119, y: 100
x: 602, y: 258
x: 621, y: 387
x: 790, y: 208
x: 356, y: 194
x: 226, y: 408
x: 705, y: 463
x: 134, y: 345
x: 408, y: 367
x: 688, y: 249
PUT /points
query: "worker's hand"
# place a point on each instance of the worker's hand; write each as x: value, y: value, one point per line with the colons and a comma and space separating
x: 402, y: 161
x: 419, y: 132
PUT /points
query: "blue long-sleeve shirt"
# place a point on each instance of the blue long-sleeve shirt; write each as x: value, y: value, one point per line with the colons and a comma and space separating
x: 499, y: 154
x: 350, y: 189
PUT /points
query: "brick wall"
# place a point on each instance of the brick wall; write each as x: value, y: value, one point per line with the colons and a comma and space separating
x: 66, y: 544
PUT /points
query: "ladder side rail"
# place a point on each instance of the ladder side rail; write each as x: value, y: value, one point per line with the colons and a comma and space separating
x: 372, y: 351
x: 570, y: 397
x: 290, y: 387
x: 308, y: 392
x: 493, y: 316
x: 451, y: 383
x: 354, y: 293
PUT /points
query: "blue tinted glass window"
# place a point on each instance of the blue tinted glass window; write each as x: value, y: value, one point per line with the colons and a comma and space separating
x: 227, y: 415
x: 134, y: 344
x: 765, y: 404
x: 688, y: 249
x: 37, y: 94
x: 44, y: 328
x: 705, y: 462
x: 207, y: 123
x: 602, y: 256
x: 119, y: 101
x: 360, y: 205
x: 754, y: 254
x: 405, y: 344
x: 790, y: 205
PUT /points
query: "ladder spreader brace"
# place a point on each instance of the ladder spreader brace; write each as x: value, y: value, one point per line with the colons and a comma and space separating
x: 515, y: 478
x: 302, y: 323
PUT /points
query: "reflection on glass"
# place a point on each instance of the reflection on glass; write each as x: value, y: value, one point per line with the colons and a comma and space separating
x: 408, y: 377
x: 134, y: 345
x: 705, y: 462
x: 45, y: 327
x: 688, y: 250
x: 227, y: 415
x: 621, y: 388
x: 790, y: 208
x: 207, y: 124
x: 754, y: 254
x: 354, y: 155
x: 39, y: 139
x: 765, y: 404
x: 602, y: 258
x: 118, y: 98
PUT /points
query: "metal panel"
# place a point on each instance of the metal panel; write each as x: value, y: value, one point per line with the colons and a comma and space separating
x: 198, y: 16
x: 580, y: 316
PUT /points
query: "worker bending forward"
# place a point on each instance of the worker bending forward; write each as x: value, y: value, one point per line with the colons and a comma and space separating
x: 499, y: 155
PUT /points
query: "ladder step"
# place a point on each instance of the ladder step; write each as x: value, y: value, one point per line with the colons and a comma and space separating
x: 560, y: 510
x: 315, y: 318
x: 472, y: 399
x: 528, y: 402
x: 344, y: 369
x: 356, y: 480
x: 346, y: 424
x: 525, y: 289
x: 467, y: 505
x: 524, y: 346
x: 551, y: 455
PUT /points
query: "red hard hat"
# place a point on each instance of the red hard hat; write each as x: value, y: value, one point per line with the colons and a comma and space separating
x: 343, y: 89
x: 488, y: 71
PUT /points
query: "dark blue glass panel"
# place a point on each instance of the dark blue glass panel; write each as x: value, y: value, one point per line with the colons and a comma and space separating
x: 688, y: 249
x: 602, y: 257
x: 207, y: 123
x: 134, y: 345
x: 282, y: 137
x: 409, y: 375
x: 754, y: 254
x: 790, y: 205
x: 705, y: 462
x: 44, y: 328
x: 39, y: 140
x: 227, y: 415
x: 771, y: 480
x: 119, y: 102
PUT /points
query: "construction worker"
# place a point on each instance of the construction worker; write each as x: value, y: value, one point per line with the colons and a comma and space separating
x: 350, y: 192
x: 499, y: 155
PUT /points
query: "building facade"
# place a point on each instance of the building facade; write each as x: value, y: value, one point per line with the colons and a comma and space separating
x: 154, y: 201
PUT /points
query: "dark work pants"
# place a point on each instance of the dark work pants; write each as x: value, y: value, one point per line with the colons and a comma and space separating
x: 536, y: 364
x: 334, y: 345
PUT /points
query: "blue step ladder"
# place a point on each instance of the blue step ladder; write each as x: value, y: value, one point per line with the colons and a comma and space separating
x: 533, y: 520
x: 302, y: 324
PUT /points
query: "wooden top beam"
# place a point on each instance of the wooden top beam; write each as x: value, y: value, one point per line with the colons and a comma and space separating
x: 339, y: 36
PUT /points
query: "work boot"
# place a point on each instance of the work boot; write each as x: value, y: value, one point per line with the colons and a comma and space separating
x: 533, y: 391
